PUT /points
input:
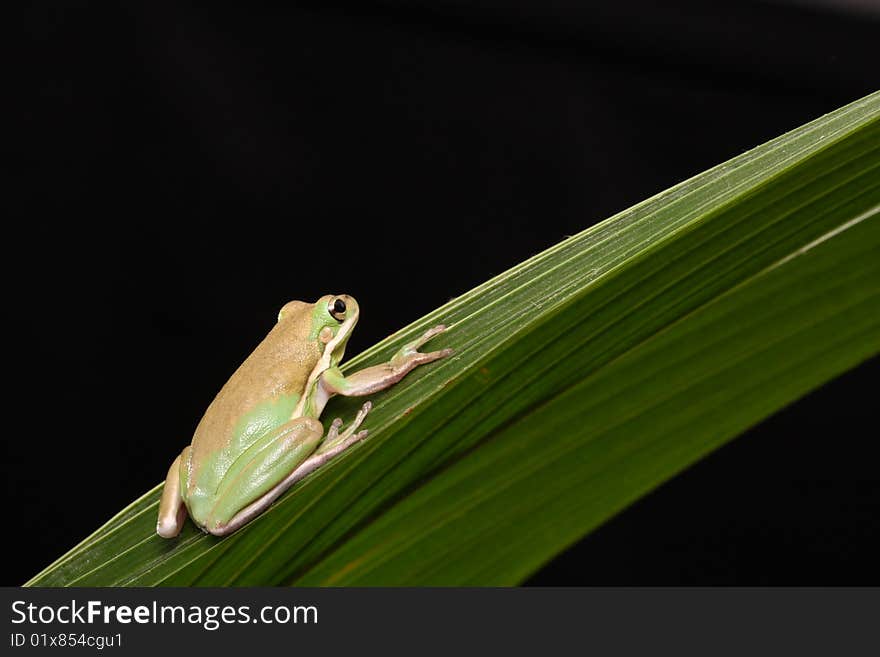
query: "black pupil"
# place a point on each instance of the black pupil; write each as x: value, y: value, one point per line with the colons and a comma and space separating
x: 339, y: 306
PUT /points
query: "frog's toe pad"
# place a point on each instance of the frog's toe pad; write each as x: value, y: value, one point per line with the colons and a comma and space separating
x: 333, y: 431
x: 355, y: 438
x: 366, y: 408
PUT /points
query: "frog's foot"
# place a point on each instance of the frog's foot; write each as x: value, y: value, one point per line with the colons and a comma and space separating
x: 427, y: 335
x: 172, y: 512
x: 409, y: 355
x: 339, y: 441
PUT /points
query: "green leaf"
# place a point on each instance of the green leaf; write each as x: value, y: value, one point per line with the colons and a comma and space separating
x: 582, y: 379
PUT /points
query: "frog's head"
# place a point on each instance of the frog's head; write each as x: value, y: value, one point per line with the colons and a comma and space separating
x: 333, y: 319
x: 322, y: 327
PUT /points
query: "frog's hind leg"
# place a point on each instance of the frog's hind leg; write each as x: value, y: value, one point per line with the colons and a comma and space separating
x: 172, y: 511
x: 333, y: 444
x: 252, y: 480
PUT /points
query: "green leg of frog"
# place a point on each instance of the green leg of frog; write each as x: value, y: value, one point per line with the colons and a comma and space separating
x: 298, y: 449
x: 254, y: 473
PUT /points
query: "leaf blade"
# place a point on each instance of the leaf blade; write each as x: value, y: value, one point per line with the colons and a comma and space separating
x: 377, y: 553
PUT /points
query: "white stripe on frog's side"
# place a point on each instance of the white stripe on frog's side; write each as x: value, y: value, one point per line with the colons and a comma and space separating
x: 315, y: 396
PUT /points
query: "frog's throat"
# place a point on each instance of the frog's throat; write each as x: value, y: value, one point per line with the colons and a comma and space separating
x: 315, y: 396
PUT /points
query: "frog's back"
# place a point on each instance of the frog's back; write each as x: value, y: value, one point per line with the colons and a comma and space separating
x: 259, y: 396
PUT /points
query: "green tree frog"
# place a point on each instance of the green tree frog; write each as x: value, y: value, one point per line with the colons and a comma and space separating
x: 262, y: 433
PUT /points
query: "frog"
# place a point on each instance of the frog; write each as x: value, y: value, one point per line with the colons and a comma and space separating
x: 262, y: 432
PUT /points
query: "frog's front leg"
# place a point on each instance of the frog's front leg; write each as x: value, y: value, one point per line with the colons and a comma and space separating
x: 380, y: 377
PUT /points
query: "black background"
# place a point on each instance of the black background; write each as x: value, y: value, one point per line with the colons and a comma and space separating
x: 187, y: 169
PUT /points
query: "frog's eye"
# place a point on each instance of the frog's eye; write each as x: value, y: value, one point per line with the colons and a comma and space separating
x: 337, y: 309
